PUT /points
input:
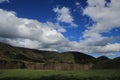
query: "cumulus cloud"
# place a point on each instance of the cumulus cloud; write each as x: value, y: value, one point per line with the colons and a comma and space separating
x: 64, y: 15
x: 1, y: 1
x: 77, y: 3
x: 96, y: 2
x: 106, y: 17
x: 31, y: 33
x: 110, y: 48
x: 22, y: 31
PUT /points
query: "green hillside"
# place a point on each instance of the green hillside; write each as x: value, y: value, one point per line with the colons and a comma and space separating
x: 17, y: 57
x: 15, y: 53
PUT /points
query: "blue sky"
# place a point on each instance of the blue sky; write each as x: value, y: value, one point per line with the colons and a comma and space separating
x: 89, y: 26
x: 42, y: 11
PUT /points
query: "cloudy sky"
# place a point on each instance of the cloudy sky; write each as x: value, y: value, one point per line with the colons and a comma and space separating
x: 89, y: 26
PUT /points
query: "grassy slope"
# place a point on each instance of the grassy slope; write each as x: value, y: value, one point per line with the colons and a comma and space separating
x: 59, y: 75
x: 15, y: 53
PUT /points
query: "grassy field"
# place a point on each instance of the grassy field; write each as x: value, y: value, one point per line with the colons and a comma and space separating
x: 18, y: 74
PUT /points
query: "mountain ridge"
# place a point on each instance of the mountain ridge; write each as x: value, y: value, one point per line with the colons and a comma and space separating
x: 19, y: 57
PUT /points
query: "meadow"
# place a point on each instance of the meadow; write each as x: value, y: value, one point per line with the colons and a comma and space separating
x: 25, y: 74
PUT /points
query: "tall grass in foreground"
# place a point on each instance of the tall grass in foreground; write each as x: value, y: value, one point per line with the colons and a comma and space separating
x: 21, y: 74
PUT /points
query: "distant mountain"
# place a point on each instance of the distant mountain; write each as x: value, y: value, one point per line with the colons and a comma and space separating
x: 16, y: 53
x: 20, y: 57
x: 104, y: 62
x: 103, y: 58
x: 117, y: 59
x: 17, y: 57
x: 79, y: 57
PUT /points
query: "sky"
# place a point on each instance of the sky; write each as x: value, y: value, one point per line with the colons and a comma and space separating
x: 88, y: 26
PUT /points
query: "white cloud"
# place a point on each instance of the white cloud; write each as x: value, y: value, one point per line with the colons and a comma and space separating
x: 77, y: 3
x: 106, y: 18
x: 94, y: 3
x: 21, y: 42
x: 1, y: 1
x: 31, y: 33
x: 64, y: 15
x: 110, y: 54
x: 108, y: 48
x: 113, y: 47
x: 13, y: 29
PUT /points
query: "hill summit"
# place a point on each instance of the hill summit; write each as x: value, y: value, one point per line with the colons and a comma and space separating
x: 18, y: 57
